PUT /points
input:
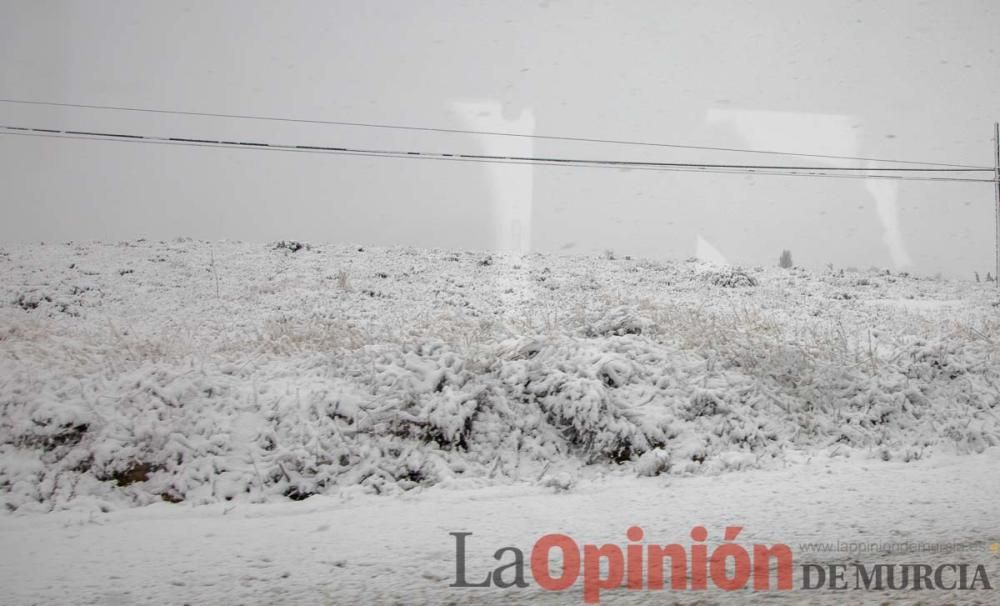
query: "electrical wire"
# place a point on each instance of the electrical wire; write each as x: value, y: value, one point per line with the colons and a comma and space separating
x: 516, y: 160
x: 478, y: 132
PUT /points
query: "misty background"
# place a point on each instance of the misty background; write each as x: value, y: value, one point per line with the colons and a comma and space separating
x: 888, y: 79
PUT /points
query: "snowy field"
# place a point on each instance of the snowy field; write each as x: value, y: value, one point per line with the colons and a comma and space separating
x: 194, y: 422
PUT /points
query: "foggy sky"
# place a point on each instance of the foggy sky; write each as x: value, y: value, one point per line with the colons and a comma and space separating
x: 902, y: 79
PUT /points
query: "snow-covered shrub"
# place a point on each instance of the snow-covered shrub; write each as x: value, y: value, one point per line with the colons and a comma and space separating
x: 653, y: 463
x: 619, y: 321
x: 731, y: 278
x: 291, y: 245
x: 284, y: 385
x: 560, y: 482
x: 583, y: 392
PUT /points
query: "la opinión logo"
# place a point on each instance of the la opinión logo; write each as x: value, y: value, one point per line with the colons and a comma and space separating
x: 639, y: 566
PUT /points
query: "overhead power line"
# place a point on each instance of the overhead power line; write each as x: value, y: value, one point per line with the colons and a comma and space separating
x: 803, y: 171
x: 480, y: 132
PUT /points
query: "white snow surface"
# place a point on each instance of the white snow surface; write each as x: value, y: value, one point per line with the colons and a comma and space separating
x: 206, y: 372
x: 368, y: 549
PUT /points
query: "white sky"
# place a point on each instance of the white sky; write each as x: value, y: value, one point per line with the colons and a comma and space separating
x: 896, y: 79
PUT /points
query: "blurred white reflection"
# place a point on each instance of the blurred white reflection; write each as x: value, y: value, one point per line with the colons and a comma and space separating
x: 511, y: 186
x: 704, y: 251
x: 826, y: 134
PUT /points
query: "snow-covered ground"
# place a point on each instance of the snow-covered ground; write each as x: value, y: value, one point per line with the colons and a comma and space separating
x: 378, y: 550
x: 410, y: 393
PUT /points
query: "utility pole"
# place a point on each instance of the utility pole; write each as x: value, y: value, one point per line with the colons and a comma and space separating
x: 996, y: 184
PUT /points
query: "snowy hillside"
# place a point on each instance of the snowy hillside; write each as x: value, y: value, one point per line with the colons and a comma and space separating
x: 203, y: 372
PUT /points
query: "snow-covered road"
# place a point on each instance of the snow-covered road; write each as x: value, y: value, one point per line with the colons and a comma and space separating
x: 364, y: 549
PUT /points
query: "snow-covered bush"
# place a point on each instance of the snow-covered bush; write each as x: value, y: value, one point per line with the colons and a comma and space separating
x: 653, y: 463
x: 731, y: 278
x: 292, y: 245
x: 281, y: 385
x: 619, y: 321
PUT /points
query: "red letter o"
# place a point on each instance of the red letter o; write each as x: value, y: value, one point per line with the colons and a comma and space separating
x: 540, y: 562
